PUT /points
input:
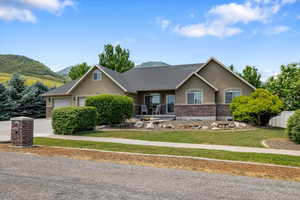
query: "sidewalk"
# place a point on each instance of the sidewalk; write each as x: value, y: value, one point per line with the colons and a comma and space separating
x: 180, y: 145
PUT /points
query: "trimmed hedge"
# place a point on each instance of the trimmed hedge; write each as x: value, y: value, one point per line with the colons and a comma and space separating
x: 70, y: 120
x: 293, y: 127
x: 111, y: 109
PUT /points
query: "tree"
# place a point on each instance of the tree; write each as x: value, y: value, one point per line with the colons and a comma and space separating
x: 116, y: 58
x: 16, y: 89
x: 78, y: 70
x: 5, y: 105
x: 257, y: 108
x: 251, y: 74
x: 287, y: 86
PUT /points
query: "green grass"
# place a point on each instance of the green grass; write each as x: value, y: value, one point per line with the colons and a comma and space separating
x: 29, y: 80
x: 216, y: 154
x: 251, y: 138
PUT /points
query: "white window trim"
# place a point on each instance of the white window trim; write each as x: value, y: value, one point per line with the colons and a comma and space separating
x: 97, y: 71
x: 230, y: 90
x: 197, y: 89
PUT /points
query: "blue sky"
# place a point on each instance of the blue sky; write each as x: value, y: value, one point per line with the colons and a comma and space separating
x: 60, y: 33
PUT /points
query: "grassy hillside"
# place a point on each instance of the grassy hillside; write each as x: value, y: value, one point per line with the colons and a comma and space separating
x: 14, y: 63
x: 32, y: 70
x: 4, y: 77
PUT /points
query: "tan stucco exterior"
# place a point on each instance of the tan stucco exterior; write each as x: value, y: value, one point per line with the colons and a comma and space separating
x: 222, y: 79
x: 195, y: 83
x: 89, y: 87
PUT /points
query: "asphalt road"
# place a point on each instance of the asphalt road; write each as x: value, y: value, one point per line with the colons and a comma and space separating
x: 24, y: 176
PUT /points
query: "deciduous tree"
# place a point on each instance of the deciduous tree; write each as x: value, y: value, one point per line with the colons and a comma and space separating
x: 116, y: 58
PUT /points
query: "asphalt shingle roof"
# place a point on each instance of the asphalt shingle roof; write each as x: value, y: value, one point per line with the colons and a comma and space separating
x: 143, y: 78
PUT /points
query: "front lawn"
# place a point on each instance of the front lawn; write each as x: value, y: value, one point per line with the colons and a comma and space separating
x: 215, y: 154
x: 250, y: 138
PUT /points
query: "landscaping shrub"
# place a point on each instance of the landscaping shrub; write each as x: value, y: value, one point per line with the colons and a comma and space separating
x: 111, y: 109
x: 293, y: 127
x: 70, y: 120
x: 257, y: 108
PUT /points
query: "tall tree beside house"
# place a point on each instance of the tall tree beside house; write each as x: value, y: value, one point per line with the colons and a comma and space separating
x: 4, y: 103
x: 287, y: 85
x: 78, y: 70
x: 116, y: 58
x: 251, y: 74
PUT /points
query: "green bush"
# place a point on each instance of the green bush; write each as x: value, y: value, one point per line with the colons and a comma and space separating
x: 293, y: 127
x: 111, y: 109
x: 70, y: 120
x: 257, y: 108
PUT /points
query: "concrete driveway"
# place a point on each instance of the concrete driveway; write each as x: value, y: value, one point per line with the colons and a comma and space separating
x: 31, y: 177
x: 42, y: 127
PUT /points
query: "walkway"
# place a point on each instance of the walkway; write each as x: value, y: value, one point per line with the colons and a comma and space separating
x: 180, y: 145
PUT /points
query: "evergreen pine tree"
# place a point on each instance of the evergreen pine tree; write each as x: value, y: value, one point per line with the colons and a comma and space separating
x: 5, y: 106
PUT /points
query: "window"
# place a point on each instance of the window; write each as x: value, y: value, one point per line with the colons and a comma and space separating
x: 152, y: 99
x: 194, y: 97
x: 97, y: 75
x: 230, y: 94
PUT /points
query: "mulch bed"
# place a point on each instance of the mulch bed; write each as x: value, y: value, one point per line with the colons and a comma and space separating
x: 282, y: 143
x: 233, y: 168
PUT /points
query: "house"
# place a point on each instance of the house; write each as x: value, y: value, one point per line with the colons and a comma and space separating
x: 194, y: 91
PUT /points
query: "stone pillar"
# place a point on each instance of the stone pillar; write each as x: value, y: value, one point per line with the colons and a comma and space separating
x: 22, y: 131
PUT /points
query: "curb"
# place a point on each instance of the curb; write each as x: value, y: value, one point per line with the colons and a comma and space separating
x: 173, y: 156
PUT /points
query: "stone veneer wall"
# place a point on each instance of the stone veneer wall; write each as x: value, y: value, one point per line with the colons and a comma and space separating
x: 223, y: 112
x: 205, y: 111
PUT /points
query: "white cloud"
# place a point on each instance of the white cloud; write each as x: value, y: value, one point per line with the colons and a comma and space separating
x: 298, y: 17
x: 233, y: 13
x: 223, y: 20
x: 277, y: 30
x: 200, y: 30
x: 22, y: 10
x: 163, y: 23
x: 50, y: 5
x: 11, y: 13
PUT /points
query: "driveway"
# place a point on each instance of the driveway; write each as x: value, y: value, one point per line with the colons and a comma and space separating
x: 24, y: 176
x: 42, y: 127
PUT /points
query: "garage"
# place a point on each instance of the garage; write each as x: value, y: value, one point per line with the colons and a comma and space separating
x: 81, y: 101
x: 61, y: 102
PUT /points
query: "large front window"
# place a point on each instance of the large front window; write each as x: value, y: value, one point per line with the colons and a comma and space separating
x: 194, y: 97
x: 152, y: 99
x: 231, y: 94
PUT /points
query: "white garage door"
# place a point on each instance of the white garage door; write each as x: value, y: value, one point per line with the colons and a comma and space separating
x: 81, y: 101
x: 61, y: 103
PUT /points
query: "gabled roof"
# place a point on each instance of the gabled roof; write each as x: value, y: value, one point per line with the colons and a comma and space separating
x: 159, y: 78
x: 148, y: 78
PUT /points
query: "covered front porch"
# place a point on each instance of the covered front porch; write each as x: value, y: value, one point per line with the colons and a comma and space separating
x: 155, y: 104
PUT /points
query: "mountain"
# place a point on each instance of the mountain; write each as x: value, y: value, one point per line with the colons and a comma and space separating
x: 152, y: 64
x: 65, y: 71
x: 31, y: 69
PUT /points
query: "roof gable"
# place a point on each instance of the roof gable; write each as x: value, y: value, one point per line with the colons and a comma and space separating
x: 212, y: 59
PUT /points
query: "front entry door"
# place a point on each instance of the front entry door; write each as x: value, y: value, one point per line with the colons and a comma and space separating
x: 170, y: 103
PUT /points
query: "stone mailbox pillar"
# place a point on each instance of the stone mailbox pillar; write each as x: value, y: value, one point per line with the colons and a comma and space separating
x: 22, y: 131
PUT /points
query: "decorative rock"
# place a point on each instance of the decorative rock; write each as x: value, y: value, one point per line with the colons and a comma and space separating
x: 139, y: 124
x: 215, y: 128
x: 214, y: 124
x: 199, y: 127
x: 170, y: 126
x: 205, y: 127
x: 150, y: 125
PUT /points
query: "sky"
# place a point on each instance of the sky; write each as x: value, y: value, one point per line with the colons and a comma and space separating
x: 61, y: 33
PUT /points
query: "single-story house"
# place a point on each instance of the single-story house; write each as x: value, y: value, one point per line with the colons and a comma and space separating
x: 192, y: 91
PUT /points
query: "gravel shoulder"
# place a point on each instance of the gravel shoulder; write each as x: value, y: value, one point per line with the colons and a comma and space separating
x: 41, y: 177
